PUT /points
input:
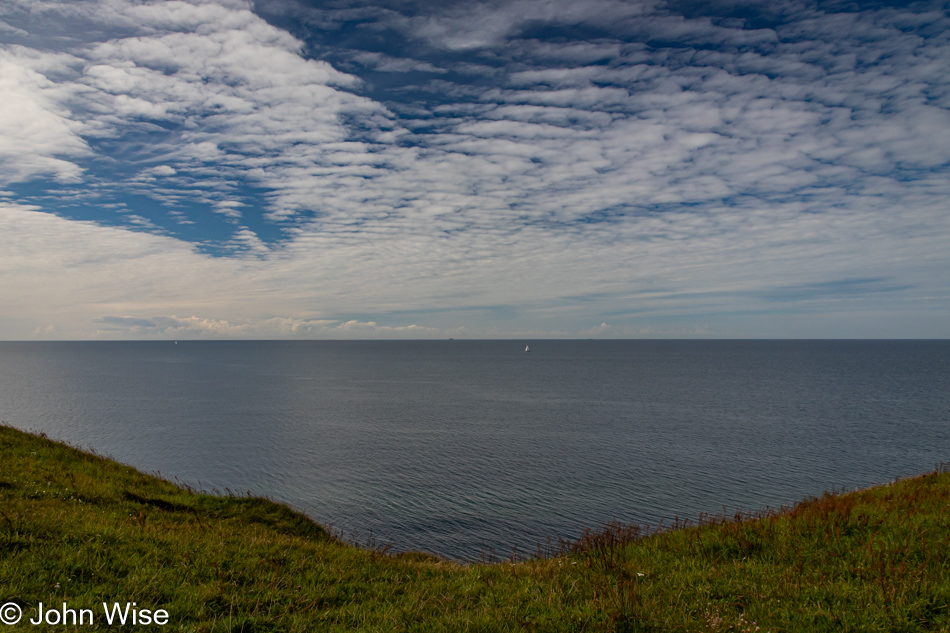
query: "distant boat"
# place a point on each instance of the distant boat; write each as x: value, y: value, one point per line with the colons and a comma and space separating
x: 527, y: 349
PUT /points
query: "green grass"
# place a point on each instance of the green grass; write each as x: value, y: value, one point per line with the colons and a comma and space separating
x: 81, y: 529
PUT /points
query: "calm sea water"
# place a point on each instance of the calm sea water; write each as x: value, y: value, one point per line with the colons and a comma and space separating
x: 468, y: 447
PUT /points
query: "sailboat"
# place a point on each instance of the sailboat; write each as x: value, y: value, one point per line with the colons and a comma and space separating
x: 527, y: 349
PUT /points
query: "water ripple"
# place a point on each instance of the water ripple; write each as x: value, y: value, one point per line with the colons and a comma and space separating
x: 467, y: 447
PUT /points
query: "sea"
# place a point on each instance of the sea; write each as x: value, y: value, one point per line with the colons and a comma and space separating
x: 477, y: 450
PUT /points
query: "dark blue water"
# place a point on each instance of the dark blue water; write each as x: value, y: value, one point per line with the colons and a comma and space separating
x: 463, y: 447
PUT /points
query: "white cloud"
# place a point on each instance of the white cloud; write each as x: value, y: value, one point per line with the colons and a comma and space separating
x: 159, y: 170
x: 663, y: 182
x: 37, y: 135
x: 388, y: 64
x: 484, y: 24
x: 229, y: 208
x: 231, y: 92
x: 193, y: 327
x: 247, y: 240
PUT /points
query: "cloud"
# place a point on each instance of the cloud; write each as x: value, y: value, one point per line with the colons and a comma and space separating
x: 166, y: 327
x: 388, y: 64
x: 671, y: 163
x: 839, y: 289
x: 212, y: 91
x: 484, y: 24
x: 248, y: 241
x: 151, y: 173
x: 37, y: 135
x: 126, y: 322
x: 229, y: 208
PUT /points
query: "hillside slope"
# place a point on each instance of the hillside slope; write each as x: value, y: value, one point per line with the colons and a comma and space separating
x: 79, y: 529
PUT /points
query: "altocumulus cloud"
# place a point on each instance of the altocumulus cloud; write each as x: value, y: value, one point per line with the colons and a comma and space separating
x: 528, y: 168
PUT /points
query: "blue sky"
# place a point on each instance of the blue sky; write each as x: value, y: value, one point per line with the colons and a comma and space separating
x: 527, y: 169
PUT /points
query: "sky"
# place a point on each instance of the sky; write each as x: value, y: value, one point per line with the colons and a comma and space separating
x: 523, y: 169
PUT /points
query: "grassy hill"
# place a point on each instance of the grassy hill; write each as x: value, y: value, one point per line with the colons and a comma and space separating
x: 81, y: 529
